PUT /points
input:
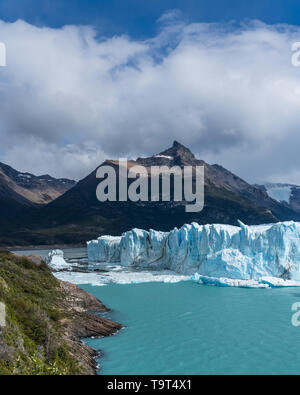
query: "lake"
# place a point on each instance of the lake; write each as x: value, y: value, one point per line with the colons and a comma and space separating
x: 187, y: 328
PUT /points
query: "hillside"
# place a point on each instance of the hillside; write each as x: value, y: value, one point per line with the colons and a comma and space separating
x: 286, y: 194
x: 21, y: 197
x: 36, y: 189
x: 45, y: 319
x: 13, y: 205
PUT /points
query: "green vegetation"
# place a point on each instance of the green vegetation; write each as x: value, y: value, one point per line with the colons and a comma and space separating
x: 33, y: 340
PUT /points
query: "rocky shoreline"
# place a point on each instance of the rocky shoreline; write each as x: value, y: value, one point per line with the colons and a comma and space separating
x: 85, y: 323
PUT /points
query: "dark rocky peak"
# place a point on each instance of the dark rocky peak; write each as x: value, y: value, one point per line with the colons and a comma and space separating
x: 178, y: 151
x: 178, y: 154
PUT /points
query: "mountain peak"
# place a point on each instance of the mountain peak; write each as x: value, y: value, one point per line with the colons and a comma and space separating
x: 176, y: 144
x: 179, y: 151
x: 178, y: 154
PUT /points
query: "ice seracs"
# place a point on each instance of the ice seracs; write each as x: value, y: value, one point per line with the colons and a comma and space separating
x: 55, y: 260
x: 243, y: 252
x: 108, y: 252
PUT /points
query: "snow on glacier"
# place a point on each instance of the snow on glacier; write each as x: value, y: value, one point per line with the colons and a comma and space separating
x: 281, y: 193
x: 230, y: 254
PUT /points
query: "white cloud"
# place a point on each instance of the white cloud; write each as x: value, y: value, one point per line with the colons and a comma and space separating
x: 74, y: 160
x: 70, y: 99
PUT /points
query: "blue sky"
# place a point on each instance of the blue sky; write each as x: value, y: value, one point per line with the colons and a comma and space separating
x: 137, y: 18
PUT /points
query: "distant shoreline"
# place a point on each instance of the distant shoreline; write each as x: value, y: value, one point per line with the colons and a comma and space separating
x: 42, y: 247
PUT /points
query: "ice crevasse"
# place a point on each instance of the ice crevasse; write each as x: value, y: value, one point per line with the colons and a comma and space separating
x: 261, y: 253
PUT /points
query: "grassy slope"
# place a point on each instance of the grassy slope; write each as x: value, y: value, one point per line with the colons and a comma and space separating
x: 32, y: 341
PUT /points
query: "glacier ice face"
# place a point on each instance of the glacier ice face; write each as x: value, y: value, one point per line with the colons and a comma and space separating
x: 105, y: 249
x: 55, y: 260
x: 215, y: 251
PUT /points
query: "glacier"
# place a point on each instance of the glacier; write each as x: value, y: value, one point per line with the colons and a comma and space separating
x: 262, y: 255
x: 55, y: 260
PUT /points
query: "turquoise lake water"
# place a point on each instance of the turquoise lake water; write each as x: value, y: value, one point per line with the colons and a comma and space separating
x: 187, y: 328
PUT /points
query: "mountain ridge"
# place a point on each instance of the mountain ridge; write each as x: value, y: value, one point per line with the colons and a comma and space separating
x: 77, y: 216
x: 284, y: 193
x: 37, y: 189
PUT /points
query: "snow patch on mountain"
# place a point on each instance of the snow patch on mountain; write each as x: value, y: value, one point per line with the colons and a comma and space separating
x: 164, y: 156
x: 279, y: 192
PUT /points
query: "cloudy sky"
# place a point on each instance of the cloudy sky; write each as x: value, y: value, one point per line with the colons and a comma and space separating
x: 83, y: 86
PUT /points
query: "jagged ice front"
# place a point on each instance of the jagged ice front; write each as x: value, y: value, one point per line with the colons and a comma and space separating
x: 259, y: 253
